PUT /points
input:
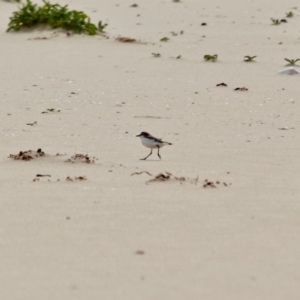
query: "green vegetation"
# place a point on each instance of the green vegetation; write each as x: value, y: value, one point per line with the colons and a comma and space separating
x: 249, y: 58
x: 55, y: 16
x: 275, y: 21
x: 290, y: 14
x: 175, y: 33
x: 156, y: 54
x: 212, y: 58
x: 291, y: 62
x: 164, y: 39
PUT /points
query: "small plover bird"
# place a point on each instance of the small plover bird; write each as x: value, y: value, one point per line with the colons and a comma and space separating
x: 151, y: 142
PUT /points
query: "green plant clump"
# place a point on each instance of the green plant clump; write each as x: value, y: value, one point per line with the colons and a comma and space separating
x: 164, y: 39
x: 290, y: 14
x: 249, y: 58
x: 275, y: 21
x: 156, y: 54
x: 212, y: 58
x: 53, y: 15
x: 291, y: 62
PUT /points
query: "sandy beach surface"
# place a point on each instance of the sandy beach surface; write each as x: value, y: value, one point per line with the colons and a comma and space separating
x: 121, y: 233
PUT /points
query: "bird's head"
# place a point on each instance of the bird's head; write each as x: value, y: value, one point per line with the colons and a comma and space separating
x: 143, y: 134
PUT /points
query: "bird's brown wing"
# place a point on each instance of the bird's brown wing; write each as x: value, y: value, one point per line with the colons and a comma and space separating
x: 155, y: 139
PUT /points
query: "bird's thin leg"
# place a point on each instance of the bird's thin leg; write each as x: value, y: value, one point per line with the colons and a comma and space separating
x: 146, y: 156
x: 158, y: 152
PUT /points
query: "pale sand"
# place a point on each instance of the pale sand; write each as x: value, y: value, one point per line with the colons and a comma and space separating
x: 78, y: 240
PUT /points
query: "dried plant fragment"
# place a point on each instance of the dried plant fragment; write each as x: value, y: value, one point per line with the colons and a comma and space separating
x: 27, y: 155
x: 80, y: 178
x: 160, y: 177
x: 221, y: 84
x: 167, y: 176
x: 50, y: 110
x: 241, y: 89
x: 124, y: 39
x: 81, y: 158
x: 156, y: 54
x: 59, y: 154
x: 211, y: 184
x: 139, y: 173
x: 32, y: 124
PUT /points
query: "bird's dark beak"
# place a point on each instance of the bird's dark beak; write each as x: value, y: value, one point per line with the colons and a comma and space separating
x: 138, y: 135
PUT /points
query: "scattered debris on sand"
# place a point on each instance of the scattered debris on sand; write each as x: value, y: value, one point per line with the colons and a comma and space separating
x: 139, y: 173
x: 167, y: 176
x: 53, y: 35
x: 221, y: 84
x: 77, y: 157
x: 69, y: 178
x: 32, y: 124
x: 59, y: 154
x: 286, y: 128
x: 214, y: 184
x: 241, y: 89
x: 27, y: 155
x: 80, y: 178
x: 124, y: 39
x: 30, y: 154
x: 38, y: 176
x: 50, y: 110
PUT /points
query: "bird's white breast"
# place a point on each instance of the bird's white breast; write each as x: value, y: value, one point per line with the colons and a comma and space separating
x: 151, y: 143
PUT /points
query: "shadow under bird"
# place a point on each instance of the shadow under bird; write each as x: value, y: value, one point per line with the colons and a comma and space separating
x: 151, y: 142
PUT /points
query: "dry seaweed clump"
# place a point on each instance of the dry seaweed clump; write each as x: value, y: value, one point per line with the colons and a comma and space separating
x: 69, y: 178
x: 81, y: 158
x: 27, y: 155
x: 167, y: 176
x: 221, y: 84
x: 80, y: 178
x: 124, y: 39
x: 243, y: 89
x: 213, y: 184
